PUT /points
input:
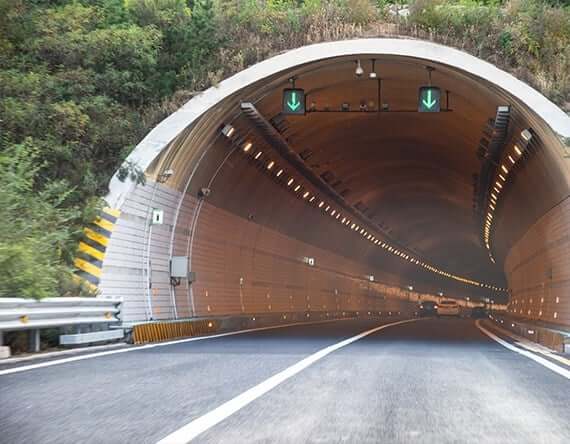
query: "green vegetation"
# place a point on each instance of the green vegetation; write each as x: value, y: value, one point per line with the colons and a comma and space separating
x: 81, y: 81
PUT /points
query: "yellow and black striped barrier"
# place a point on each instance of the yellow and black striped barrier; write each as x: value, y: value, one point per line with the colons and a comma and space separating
x: 162, y: 331
x: 92, y: 248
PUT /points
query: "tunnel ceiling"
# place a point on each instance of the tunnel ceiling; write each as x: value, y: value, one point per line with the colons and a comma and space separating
x: 410, y: 173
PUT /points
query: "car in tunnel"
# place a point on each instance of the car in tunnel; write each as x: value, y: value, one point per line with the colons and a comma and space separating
x: 427, y: 308
x: 479, y: 312
x: 448, y: 308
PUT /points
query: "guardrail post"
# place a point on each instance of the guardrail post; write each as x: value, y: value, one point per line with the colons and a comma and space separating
x: 34, y: 340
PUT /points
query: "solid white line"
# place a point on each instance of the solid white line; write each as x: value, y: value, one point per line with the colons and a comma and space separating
x: 544, y: 362
x: 199, y: 425
x: 149, y: 346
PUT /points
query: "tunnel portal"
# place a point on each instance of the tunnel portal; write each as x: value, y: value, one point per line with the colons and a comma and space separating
x: 351, y: 194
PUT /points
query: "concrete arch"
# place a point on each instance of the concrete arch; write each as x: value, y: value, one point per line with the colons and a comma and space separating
x: 243, y: 222
x: 159, y: 138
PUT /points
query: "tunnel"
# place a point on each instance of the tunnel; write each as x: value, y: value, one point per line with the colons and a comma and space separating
x: 362, y: 202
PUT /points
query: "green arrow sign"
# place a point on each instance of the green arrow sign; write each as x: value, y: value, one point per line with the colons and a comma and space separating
x: 429, y: 99
x: 293, y: 101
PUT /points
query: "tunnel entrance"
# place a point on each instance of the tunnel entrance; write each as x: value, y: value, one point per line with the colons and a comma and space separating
x: 321, y: 181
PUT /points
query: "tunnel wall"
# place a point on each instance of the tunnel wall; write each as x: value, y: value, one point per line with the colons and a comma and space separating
x: 538, y: 271
x: 228, y: 248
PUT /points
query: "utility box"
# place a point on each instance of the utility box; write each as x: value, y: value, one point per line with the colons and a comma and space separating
x: 179, y: 267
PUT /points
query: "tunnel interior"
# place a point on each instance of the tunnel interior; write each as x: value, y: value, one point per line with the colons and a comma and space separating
x: 359, y: 201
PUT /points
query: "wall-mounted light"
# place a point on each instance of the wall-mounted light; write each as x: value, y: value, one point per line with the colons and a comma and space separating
x: 228, y: 130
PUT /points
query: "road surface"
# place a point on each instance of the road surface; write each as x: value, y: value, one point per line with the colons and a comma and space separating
x: 426, y: 381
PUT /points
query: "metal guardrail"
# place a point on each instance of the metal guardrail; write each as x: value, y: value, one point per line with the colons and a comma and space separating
x: 25, y: 314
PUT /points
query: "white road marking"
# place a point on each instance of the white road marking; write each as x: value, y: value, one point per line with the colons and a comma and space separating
x: 199, y: 425
x: 24, y: 368
x: 537, y: 348
x: 544, y: 362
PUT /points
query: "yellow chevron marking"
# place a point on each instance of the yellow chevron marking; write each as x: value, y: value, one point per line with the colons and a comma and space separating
x: 112, y: 212
x: 84, y: 248
x: 105, y: 224
x: 99, y: 238
x: 86, y: 266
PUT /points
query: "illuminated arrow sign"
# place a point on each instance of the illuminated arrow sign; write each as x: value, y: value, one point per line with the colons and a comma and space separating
x: 429, y: 99
x: 294, y: 101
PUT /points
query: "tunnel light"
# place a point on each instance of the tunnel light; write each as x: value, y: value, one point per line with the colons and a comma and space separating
x: 511, y: 159
x: 228, y: 131
x: 321, y: 204
x: 279, y: 173
x: 517, y: 150
x: 333, y: 212
x: 290, y: 182
x: 306, y: 194
x: 504, y: 168
x: 258, y: 155
x: 526, y: 135
x: 270, y: 165
x: 492, y: 207
x: 312, y: 199
x: 496, y: 190
x: 338, y: 215
x: 362, y: 231
x: 503, y: 178
x: 498, y: 184
x: 373, y: 74
x: 343, y: 219
x: 247, y: 147
x: 494, y: 196
x: 297, y: 188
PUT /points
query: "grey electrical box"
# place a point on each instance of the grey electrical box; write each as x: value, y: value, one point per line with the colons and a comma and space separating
x: 179, y: 267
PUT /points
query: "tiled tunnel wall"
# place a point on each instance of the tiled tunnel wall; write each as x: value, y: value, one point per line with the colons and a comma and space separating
x: 241, y: 266
x: 538, y: 269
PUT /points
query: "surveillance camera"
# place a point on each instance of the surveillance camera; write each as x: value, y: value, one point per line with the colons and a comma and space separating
x: 204, y: 192
x: 359, y: 70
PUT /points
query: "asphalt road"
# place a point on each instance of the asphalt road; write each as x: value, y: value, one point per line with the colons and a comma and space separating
x: 429, y: 381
